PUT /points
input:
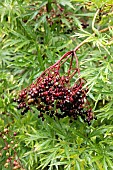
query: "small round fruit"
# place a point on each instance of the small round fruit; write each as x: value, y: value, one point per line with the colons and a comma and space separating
x: 8, y: 160
x: 6, y: 165
x: 12, y: 142
x: 8, y: 146
x: 30, y: 101
x: 7, y: 154
x: 14, y: 134
x: 16, y: 145
x: 5, y: 130
x: 4, y: 137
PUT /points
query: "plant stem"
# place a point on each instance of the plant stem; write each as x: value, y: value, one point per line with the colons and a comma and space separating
x: 86, y: 40
x: 82, y: 43
x: 93, y: 23
x: 106, y: 29
x: 69, y: 53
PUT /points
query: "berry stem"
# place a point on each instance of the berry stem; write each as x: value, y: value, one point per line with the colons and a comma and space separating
x: 64, y: 56
x: 70, y: 67
x: 77, y: 65
x: 66, y: 59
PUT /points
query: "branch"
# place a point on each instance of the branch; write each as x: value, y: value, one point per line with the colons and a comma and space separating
x: 69, y: 53
x: 106, y: 29
x: 86, y: 40
x: 93, y: 23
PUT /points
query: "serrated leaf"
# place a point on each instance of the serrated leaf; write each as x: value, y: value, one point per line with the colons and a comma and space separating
x: 66, y: 2
x: 39, y: 22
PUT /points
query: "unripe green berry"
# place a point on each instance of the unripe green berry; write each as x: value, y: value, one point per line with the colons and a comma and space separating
x: 5, y: 130
x: 4, y: 137
x: 16, y: 145
x: 8, y: 146
x: 7, y: 154
x: 12, y: 142
x: 6, y: 165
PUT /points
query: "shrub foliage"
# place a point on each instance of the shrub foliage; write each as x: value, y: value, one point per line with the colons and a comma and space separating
x: 33, y: 36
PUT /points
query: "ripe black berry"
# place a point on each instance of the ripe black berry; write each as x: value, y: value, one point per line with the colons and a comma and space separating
x: 22, y: 112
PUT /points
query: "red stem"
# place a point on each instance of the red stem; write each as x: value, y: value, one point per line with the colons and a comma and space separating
x: 65, y: 55
x: 77, y: 65
x: 70, y: 67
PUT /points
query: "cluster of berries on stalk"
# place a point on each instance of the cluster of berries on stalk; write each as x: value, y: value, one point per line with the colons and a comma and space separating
x: 53, y: 93
x: 9, y: 150
x: 54, y: 14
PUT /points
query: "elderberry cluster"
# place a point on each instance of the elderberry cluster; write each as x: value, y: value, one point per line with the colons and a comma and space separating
x: 52, y: 95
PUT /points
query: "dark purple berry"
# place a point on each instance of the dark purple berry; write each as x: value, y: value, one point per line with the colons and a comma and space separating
x: 22, y: 112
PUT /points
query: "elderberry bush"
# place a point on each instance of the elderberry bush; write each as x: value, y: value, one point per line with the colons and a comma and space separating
x: 53, y: 95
